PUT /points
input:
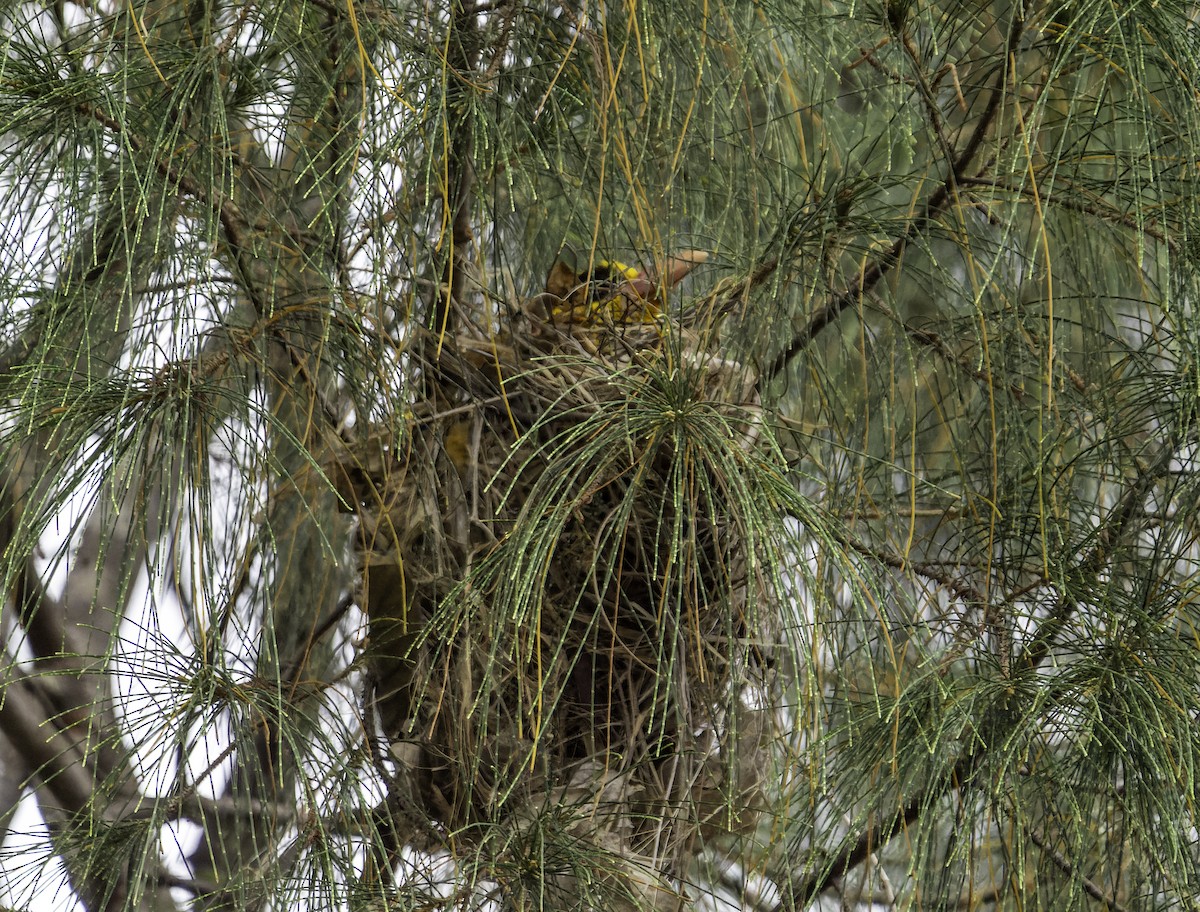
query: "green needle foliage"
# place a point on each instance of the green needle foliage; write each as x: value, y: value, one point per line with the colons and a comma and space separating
x: 495, y: 454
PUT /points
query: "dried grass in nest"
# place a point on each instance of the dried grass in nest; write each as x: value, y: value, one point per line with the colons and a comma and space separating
x: 556, y: 588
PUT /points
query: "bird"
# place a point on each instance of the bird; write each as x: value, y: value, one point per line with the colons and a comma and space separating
x: 612, y: 292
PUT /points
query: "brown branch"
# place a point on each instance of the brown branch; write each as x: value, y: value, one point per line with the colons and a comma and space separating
x: 925, y: 90
x: 236, y: 227
x: 200, y: 810
x: 227, y: 211
x: 53, y: 756
x: 938, y: 346
x: 38, y: 614
x: 875, y: 837
x: 1116, y: 526
x: 962, y: 591
x: 1089, y: 887
x: 934, y: 206
x: 197, y: 887
x: 934, y: 343
x: 464, y: 39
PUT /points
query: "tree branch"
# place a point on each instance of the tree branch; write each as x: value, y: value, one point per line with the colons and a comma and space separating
x: 53, y: 757
x: 458, y: 193
x: 934, y: 206
x: 1115, y: 527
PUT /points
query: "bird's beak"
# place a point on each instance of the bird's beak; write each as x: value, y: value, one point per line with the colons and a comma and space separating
x: 681, y: 264
x: 678, y: 265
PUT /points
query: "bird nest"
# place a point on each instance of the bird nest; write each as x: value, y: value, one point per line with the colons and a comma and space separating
x: 562, y: 620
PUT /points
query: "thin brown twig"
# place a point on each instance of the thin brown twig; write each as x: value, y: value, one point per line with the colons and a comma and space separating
x: 236, y: 225
x: 1056, y: 198
x: 962, y: 591
x: 1089, y: 887
x: 938, y: 346
x: 464, y: 40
